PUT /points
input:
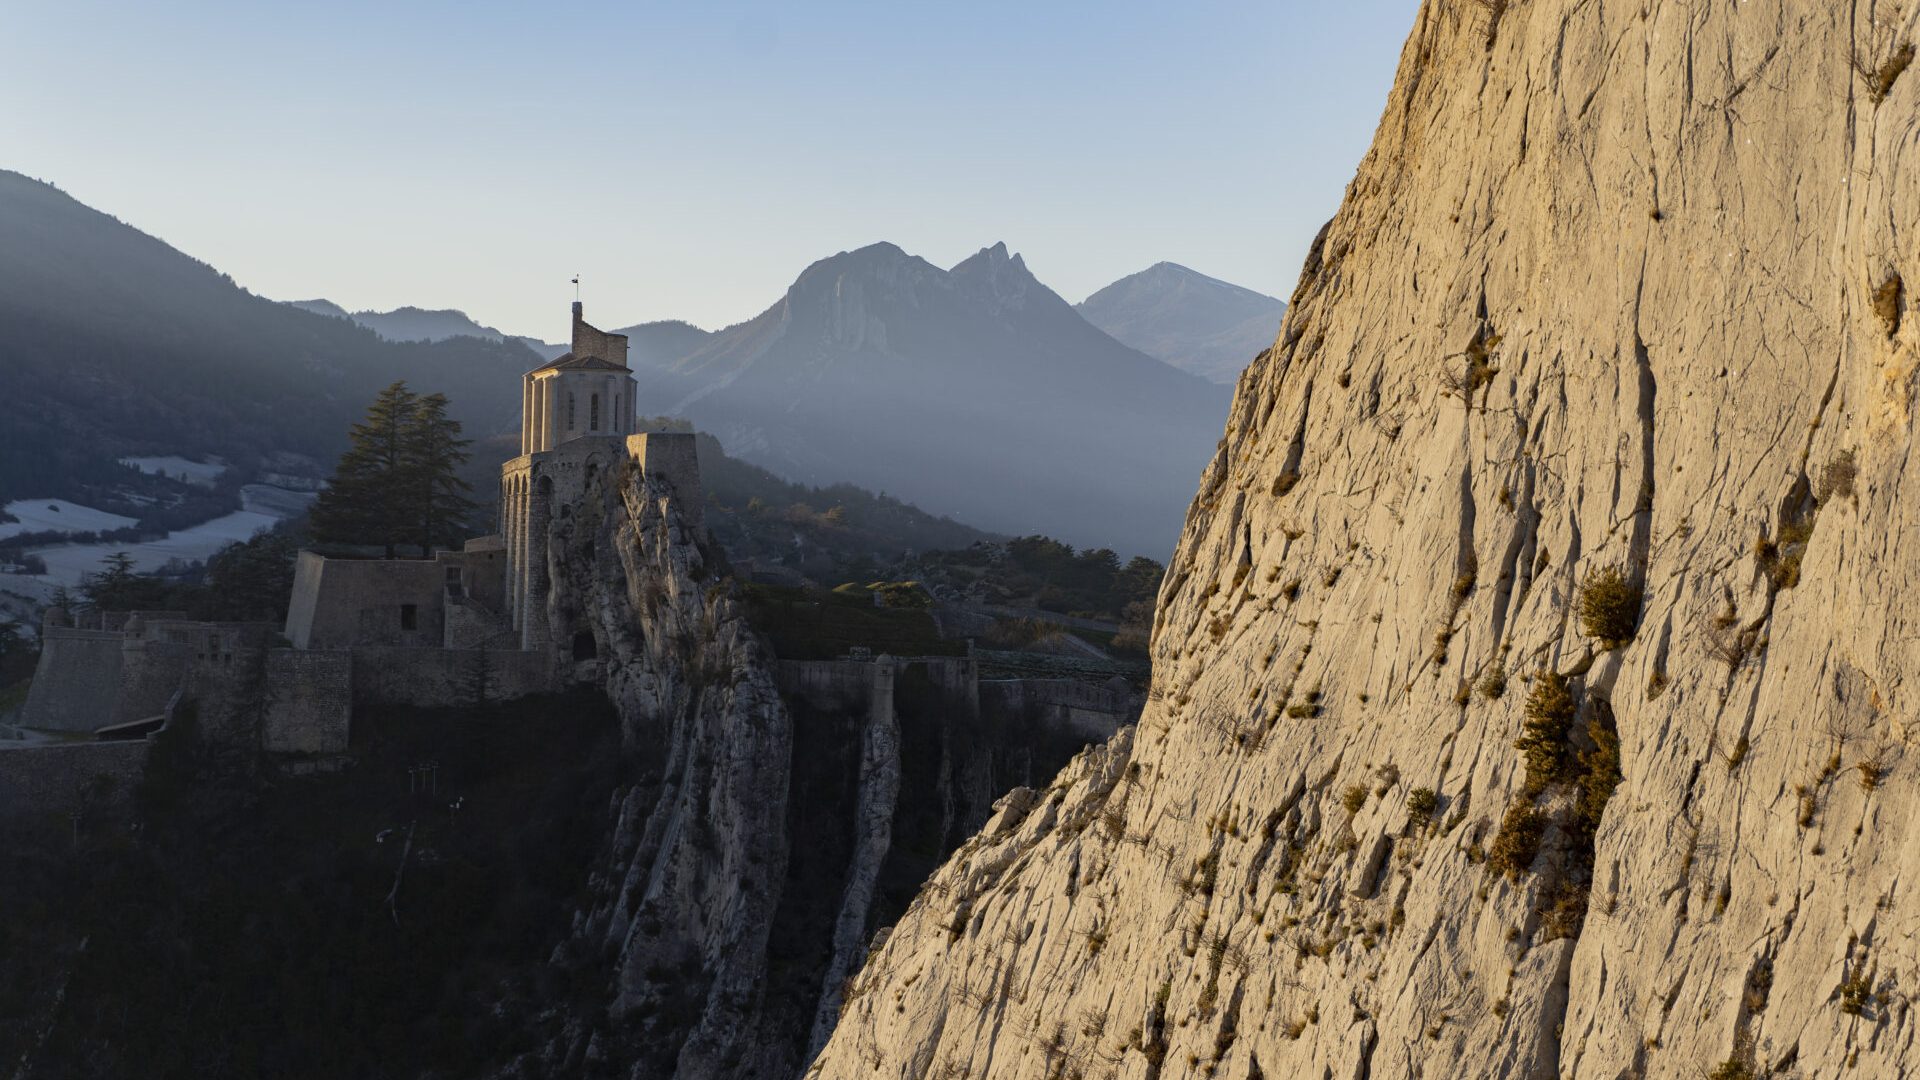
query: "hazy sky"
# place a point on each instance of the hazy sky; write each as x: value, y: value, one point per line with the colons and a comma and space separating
x: 690, y: 159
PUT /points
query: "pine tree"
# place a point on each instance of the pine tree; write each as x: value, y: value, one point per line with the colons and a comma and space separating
x: 399, y: 482
x: 368, y: 501
x: 434, y: 453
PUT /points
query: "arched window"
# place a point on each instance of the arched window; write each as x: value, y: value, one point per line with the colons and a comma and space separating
x: 569, y: 410
x: 593, y: 412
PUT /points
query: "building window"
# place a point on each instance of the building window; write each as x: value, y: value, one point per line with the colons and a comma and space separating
x: 569, y: 410
x: 409, y: 616
x: 616, y: 414
x: 593, y: 412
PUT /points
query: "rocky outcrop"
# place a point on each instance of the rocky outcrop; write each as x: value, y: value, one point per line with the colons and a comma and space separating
x: 1529, y: 691
x: 765, y: 832
x: 687, y: 893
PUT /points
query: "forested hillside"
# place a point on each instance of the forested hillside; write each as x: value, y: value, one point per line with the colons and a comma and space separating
x: 113, y: 343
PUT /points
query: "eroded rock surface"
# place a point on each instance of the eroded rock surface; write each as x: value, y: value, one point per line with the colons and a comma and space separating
x: 1619, y: 287
x: 760, y: 837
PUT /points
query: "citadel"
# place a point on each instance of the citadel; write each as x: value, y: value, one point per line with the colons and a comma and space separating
x: 459, y: 629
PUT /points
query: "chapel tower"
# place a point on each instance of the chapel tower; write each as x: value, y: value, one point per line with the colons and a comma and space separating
x: 588, y: 391
x: 578, y: 425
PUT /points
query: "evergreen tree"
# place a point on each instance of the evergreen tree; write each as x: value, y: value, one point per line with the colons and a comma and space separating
x: 368, y: 501
x: 252, y: 579
x: 398, y: 483
x: 434, y: 453
x: 119, y: 587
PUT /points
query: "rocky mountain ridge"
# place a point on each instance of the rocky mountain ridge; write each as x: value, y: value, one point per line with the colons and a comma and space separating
x: 974, y: 391
x: 1529, y: 687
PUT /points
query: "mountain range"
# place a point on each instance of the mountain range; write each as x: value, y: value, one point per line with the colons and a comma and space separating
x: 1196, y: 323
x: 974, y: 391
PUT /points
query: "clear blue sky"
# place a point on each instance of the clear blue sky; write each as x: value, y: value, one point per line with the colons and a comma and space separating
x: 691, y: 159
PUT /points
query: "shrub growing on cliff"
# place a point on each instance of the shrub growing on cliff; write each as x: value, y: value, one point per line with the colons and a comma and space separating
x: 1609, y: 606
x: 1880, y: 76
x: 1518, y: 840
x: 1543, y: 735
x: 1422, y: 802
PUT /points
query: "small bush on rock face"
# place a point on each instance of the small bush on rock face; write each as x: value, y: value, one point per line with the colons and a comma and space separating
x: 1518, y: 840
x: 1543, y: 738
x: 1422, y: 802
x: 1609, y: 607
x: 1732, y: 1069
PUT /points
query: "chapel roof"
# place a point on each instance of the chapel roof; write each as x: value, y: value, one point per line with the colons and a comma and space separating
x: 570, y: 362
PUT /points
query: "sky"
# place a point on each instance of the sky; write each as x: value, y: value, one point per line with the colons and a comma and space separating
x: 689, y: 160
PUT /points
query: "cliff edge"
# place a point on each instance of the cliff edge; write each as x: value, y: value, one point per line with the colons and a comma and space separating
x: 1529, y: 683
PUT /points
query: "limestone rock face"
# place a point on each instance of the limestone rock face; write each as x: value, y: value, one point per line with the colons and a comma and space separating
x: 685, y: 899
x: 1618, y: 288
x: 773, y: 815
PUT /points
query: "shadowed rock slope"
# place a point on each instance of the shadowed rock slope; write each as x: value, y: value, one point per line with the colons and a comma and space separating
x: 1619, y: 287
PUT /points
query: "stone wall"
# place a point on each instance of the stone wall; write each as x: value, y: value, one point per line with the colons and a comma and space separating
x: 1092, y: 711
x: 1083, y: 709
x: 76, y: 686
x: 151, y: 672
x: 310, y: 702
x: 437, y: 677
x: 48, y: 781
x: 340, y: 603
x: 671, y: 456
x: 472, y: 626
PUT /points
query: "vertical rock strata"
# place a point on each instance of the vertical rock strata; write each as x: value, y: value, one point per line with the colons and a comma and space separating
x: 1529, y: 683
x: 761, y: 837
x: 685, y: 899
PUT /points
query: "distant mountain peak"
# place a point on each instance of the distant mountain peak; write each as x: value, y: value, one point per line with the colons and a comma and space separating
x: 1197, y: 323
x: 975, y: 390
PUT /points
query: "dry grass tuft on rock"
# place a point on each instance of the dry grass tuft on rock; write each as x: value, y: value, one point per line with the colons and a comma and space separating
x: 1493, y: 685
x: 1889, y: 301
x: 1837, y: 479
x: 1879, y: 77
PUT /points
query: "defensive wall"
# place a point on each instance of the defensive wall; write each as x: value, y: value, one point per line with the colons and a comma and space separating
x: 50, y: 781
x: 1091, y: 711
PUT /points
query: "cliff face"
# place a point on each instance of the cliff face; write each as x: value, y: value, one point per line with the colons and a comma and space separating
x: 762, y: 835
x: 1619, y: 287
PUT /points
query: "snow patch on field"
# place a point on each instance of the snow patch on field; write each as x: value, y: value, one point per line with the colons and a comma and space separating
x: 278, y: 501
x: 58, y: 515
x: 67, y: 564
x: 179, y: 468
